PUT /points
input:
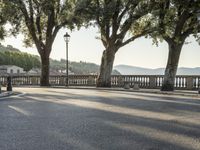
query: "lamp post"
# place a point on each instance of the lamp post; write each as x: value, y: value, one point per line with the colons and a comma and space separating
x: 66, y: 38
x: 198, y: 18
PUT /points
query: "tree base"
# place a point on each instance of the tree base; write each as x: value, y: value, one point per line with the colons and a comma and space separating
x: 103, y: 85
x: 45, y: 83
x: 167, y: 87
x: 100, y: 83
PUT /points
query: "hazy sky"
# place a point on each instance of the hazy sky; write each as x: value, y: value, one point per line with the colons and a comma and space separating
x: 84, y: 46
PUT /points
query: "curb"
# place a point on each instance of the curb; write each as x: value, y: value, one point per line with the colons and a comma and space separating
x: 149, y: 91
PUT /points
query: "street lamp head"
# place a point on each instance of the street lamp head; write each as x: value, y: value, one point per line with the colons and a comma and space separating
x: 198, y: 16
x: 66, y: 37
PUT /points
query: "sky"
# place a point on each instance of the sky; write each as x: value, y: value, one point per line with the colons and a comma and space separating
x: 83, y: 46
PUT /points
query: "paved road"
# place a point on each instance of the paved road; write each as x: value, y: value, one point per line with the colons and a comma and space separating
x: 71, y: 119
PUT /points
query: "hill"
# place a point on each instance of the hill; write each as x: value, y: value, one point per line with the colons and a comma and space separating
x: 77, y: 67
x: 13, y: 56
x: 133, y: 70
x: 8, y: 48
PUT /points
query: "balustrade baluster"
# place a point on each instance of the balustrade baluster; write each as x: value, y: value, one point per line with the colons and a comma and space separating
x: 144, y: 81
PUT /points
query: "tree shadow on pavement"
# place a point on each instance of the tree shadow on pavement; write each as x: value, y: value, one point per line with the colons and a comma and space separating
x: 100, y: 122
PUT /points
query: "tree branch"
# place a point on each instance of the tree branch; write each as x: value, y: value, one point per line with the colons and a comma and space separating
x: 115, y: 25
x: 144, y: 32
x: 31, y: 11
x: 124, y: 11
x: 30, y: 26
x: 181, y: 22
x: 38, y: 26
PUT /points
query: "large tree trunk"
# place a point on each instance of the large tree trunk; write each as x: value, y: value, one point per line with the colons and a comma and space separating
x: 104, y: 79
x: 44, y: 78
x: 172, y: 65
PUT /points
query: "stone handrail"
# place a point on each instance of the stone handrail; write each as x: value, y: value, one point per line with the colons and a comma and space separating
x: 183, y: 82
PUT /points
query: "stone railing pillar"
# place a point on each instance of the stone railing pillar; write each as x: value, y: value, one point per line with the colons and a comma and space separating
x: 62, y: 80
x: 189, y: 83
x: 91, y: 81
x: 33, y: 81
x: 152, y: 82
x: 120, y: 81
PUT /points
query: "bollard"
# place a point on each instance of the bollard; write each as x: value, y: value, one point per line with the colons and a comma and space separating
x: 9, y: 83
x: 198, y: 86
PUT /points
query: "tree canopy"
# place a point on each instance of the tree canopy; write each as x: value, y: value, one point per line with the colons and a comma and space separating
x: 117, y: 18
x: 2, y: 21
x: 176, y: 20
x: 39, y: 21
x: 119, y: 22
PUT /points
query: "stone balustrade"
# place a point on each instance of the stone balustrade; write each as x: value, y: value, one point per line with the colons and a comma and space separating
x: 144, y: 81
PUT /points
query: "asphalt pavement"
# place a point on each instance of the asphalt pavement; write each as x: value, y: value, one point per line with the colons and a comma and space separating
x: 85, y: 119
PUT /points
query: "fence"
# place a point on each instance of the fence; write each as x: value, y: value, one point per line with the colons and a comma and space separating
x: 144, y: 81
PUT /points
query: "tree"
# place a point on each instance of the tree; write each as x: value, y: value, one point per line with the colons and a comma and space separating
x: 177, y: 20
x: 115, y: 19
x: 2, y: 21
x: 40, y: 21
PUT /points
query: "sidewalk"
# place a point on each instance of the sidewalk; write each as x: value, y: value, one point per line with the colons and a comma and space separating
x: 4, y: 94
x: 141, y: 90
